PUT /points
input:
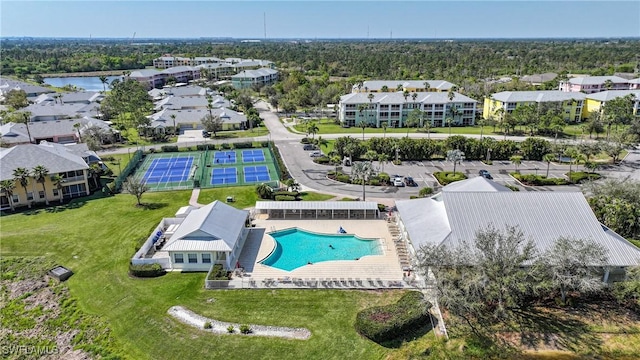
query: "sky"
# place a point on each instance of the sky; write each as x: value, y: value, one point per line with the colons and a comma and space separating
x: 320, y: 19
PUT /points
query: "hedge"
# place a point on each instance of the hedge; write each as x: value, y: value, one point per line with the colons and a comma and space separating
x: 282, y: 169
x: 383, y: 323
x: 285, y: 198
x: 169, y: 148
x: 322, y: 160
x: 203, y: 147
x: 286, y: 193
x: 578, y: 176
x: 243, y: 145
x: 225, y: 146
x: 218, y: 273
x: 447, y: 177
x: 146, y: 270
x: 538, y: 180
x: 343, y: 178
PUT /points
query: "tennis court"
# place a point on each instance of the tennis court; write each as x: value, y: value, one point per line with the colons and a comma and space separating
x: 253, y: 156
x: 170, y: 170
x: 259, y: 173
x: 224, y: 157
x: 221, y: 176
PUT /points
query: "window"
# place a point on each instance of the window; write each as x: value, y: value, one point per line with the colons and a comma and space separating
x: 206, y: 258
x: 395, y: 107
x: 350, y: 113
x: 15, y: 198
x: 29, y: 196
x: 178, y: 258
x: 193, y: 258
x: 55, y: 192
x: 41, y: 194
x: 384, y: 114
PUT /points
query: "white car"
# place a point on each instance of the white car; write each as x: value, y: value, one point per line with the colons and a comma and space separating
x: 315, y: 153
x: 398, y: 182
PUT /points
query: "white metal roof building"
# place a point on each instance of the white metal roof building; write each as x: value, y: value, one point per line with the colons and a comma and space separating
x: 305, y: 210
x: 451, y: 218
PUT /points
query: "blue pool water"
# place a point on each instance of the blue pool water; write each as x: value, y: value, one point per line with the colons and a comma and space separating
x: 296, y: 248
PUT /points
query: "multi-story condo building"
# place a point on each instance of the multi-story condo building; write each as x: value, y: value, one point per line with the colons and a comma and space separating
x: 571, y: 103
x: 156, y: 79
x: 597, y: 101
x: 70, y: 162
x: 592, y: 84
x: 394, y: 108
x: 377, y: 86
x: 249, y: 78
x: 168, y: 61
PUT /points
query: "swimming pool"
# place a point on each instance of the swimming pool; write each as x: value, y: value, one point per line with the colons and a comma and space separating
x: 296, y: 248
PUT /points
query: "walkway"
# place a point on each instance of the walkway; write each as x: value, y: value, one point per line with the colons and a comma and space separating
x: 193, y: 201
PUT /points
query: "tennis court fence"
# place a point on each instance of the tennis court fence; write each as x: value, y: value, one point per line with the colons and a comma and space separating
x: 129, y: 169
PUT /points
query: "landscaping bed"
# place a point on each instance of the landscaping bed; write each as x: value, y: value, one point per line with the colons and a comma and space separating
x: 447, y: 177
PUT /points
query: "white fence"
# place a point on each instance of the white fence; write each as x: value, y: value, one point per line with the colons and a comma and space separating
x: 140, y: 256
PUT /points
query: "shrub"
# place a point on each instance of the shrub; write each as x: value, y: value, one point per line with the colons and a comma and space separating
x: 512, y: 188
x: 305, y: 140
x: 152, y: 150
x: 538, y: 180
x: 207, y: 325
x: 322, y: 160
x: 374, y: 182
x: 397, y: 162
x: 245, y: 329
x: 264, y: 144
x: 578, y: 176
x: 218, y: 273
x: 284, y: 173
x: 243, y: 145
x: 382, y: 207
x: 169, y: 148
x: 384, y: 178
x: 203, y: 147
x: 447, y: 177
x: 146, y: 270
x: 411, y: 197
x: 344, y: 178
x: 225, y: 146
x: 285, y: 198
x: 111, y: 186
x: 230, y: 329
x: 425, y: 191
x: 383, y: 323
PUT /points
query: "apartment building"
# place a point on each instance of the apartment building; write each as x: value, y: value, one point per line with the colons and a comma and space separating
x: 593, y: 84
x: 248, y: 78
x: 597, y: 101
x: 571, y: 103
x: 377, y: 86
x: 393, y: 109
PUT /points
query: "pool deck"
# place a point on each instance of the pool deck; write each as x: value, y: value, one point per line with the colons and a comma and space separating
x: 369, y: 272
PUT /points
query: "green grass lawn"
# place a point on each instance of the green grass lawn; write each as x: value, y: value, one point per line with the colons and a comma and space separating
x: 116, y: 162
x: 314, y: 196
x: 96, y: 240
x: 261, y: 131
x: 245, y: 196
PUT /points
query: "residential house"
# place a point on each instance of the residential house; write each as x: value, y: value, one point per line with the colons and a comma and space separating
x: 150, y: 78
x: 213, y: 234
x: 191, y: 102
x: 48, y: 111
x: 592, y: 84
x: 53, y: 131
x: 192, y: 119
x: 454, y: 216
x: 32, y: 91
x: 377, y: 86
x: 260, y: 77
x: 79, y: 97
x: 538, y: 79
x: 68, y: 162
x: 394, y: 108
x: 634, y: 84
x: 569, y: 103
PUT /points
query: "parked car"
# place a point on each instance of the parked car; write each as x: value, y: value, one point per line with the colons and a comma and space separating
x: 409, y: 181
x: 315, y: 153
x: 205, y: 134
x: 398, y: 182
x: 309, y: 147
x: 485, y: 174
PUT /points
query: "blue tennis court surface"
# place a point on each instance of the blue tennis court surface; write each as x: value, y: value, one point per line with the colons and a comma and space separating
x: 221, y: 176
x: 168, y: 170
x: 224, y: 157
x: 256, y: 173
x: 249, y: 156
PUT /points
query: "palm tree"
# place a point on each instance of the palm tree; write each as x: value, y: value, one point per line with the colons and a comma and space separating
x: 572, y: 153
x: 363, y: 125
x: 57, y: 182
x: 21, y: 176
x: 313, y: 130
x: 383, y: 158
x: 363, y: 170
x: 384, y: 88
x: 40, y: 175
x: 427, y: 86
x: 384, y: 129
x: 516, y: 160
x: 548, y: 158
x: 264, y: 191
x: 26, y: 119
x: 455, y: 156
x: 8, y: 187
x: 173, y: 118
x: 94, y: 172
x: 77, y: 127
x: 370, y: 97
x: 104, y: 81
x: 322, y: 142
x: 449, y: 121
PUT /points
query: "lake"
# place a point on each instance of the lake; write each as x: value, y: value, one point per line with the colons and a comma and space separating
x: 88, y: 83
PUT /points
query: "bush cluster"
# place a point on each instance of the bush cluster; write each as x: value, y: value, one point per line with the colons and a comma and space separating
x: 447, y: 177
x: 146, y: 270
x: 169, y: 148
x: 538, y: 180
x: 579, y: 176
x: 243, y: 145
x: 245, y: 329
x: 285, y: 198
x: 322, y: 160
x: 425, y: 191
x: 383, y: 323
x: 203, y: 147
x: 218, y: 273
x: 284, y: 173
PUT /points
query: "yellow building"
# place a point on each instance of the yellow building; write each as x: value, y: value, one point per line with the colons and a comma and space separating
x: 507, y: 101
x: 66, y: 161
x: 377, y: 86
x: 595, y: 102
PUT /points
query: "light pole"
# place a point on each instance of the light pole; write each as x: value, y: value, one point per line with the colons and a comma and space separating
x: 488, y: 155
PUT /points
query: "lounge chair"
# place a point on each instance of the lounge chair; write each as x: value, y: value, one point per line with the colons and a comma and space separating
x: 371, y: 282
x: 380, y: 283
